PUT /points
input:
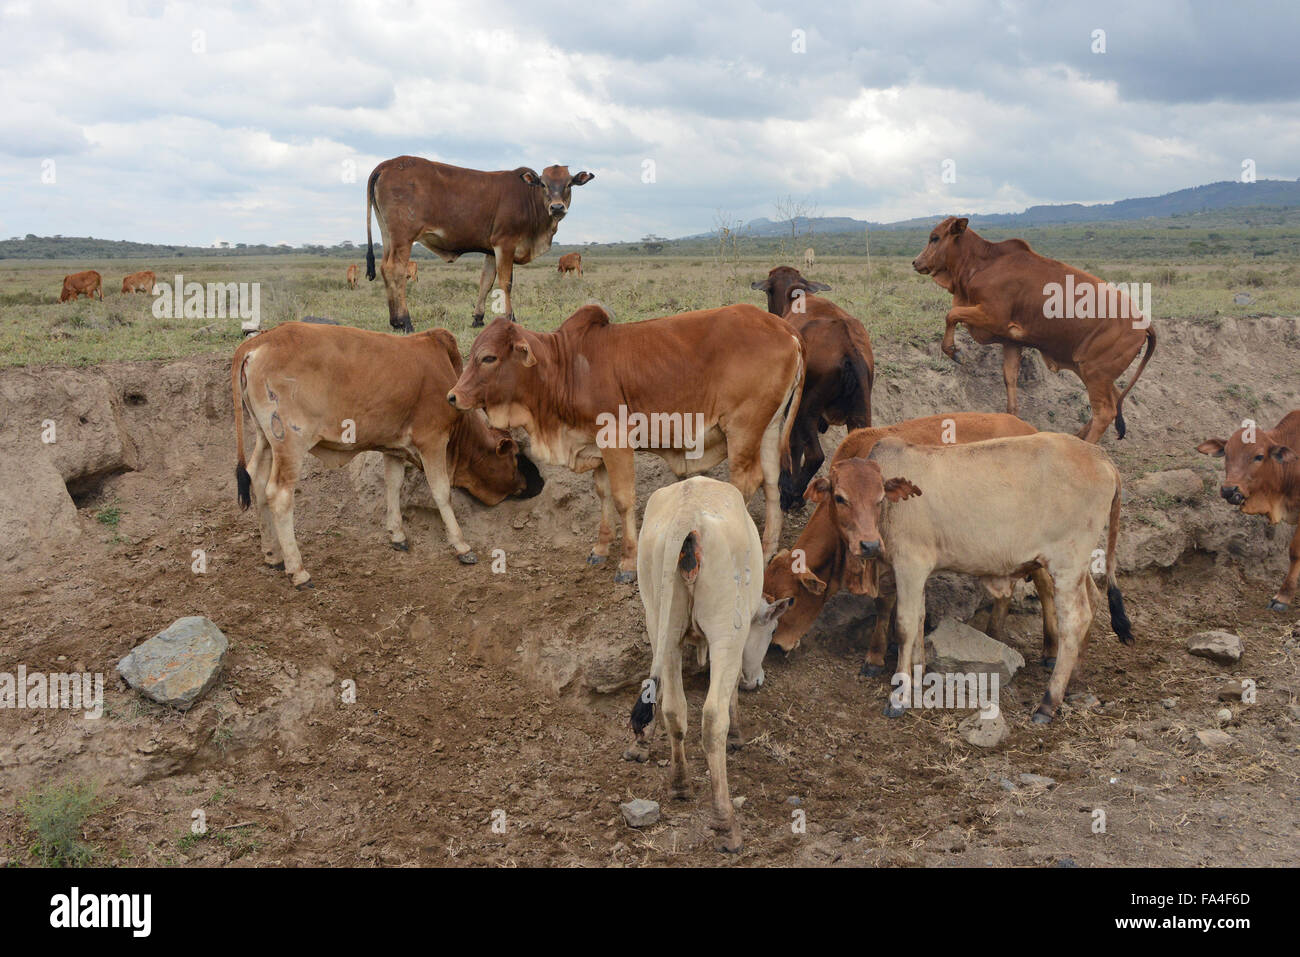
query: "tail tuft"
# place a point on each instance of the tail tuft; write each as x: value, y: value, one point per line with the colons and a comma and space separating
x: 1118, y: 616
x: 245, y: 484
x: 643, y: 712
x: 1120, y: 427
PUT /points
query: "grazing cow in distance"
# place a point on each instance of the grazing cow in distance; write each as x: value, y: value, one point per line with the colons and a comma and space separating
x: 998, y: 510
x: 824, y: 561
x: 510, y: 216
x: 700, y: 572
x: 592, y: 392
x: 87, y: 283
x: 352, y: 276
x: 837, y: 384
x: 571, y: 262
x: 1261, y: 476
x: 809, y: 258
x: 335, y: 391
x: 412, y: 271
x: 1007, y: 293
x: 142, y: 281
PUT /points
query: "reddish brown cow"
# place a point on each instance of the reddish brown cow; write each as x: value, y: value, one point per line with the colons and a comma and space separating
x: 592, y: 392
x: 1262, y: 477
x: 412, y: 272
x: 822, y: 563
x: 837, y: 384
x: 1007, y: 293
x: 510, y: 216
x: 142, y: 281
x: 352, y: 276
x: 571, y: 262
x: 86, y: 284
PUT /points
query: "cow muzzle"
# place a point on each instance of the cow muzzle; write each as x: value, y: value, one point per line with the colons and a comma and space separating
x: 920, y: 267
x: 1232, y: 494
x: 869, y: 549
x: 558, y: 210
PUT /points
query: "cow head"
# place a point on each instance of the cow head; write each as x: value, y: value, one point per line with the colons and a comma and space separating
x: 555, y: 184
x: 854, y: 491
x: 1253, y: 471
x: 780, y: 286
x: 802, y: 588
x: 495, y: 468
x: 941, y: 250
x: 499, y: 360
x: 761, y: 629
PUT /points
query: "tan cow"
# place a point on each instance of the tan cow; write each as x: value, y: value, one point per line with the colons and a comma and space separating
x: 412, y: 271
x: 335, y: 391
x: 571, y: 263
x: 87, y: 283
x: 996, y: 510
x: 700, y: 572
x: 352, y: 276
x: 142, y: 281
x: 809, y: 258
x: 592, y: 392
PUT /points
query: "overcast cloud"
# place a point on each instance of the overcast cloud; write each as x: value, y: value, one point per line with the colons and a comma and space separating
x: 189, y: 123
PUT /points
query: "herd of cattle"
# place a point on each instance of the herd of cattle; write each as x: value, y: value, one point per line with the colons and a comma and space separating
x: 984, y: 494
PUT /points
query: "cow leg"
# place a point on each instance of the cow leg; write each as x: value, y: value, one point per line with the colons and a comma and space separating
x: 735, y: 740
x: 1282, y: 600
x: 434, y: 458
x: 998, y: 618
x: 621, y: 469
x: 1102, y: 396
x: 745, y: 477
x: 875, y: 663
x: 910, y: 584
x: 807, y: 456
x: 505, y: 275
x: 1011, y: 374
x: 1074, y: 617
x: 394, y: 472
x: 715, y: 724
x: 259, y: 472
x: 600, y: 551
x: 674, y: 712
x: 1047, y: 599
x: 973, y: 316
x: 279, y: 497
x: 485, y: 280
x: 393, y: 266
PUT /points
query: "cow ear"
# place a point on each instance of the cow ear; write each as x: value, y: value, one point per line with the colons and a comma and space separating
x: 959, y: 226
x: 583, y: 177
x: 525, y: 352
x: 898, y: 489
x: 812, y: 582
x: 816, y: 286
x: 764, y: 286
x: 529, y: 177
x: 817, y: 490
x: 1212, y: 447
x: 506, y: 446
x: 1280, y: 453
x: 771, y: 612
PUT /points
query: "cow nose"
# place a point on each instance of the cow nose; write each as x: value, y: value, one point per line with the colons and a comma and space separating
x: 557, y: 209
x: 451, y: 398
x: 1232, y: 494
x: 869, y: 549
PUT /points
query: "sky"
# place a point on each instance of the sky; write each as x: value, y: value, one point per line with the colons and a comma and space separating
x: 196, y: 123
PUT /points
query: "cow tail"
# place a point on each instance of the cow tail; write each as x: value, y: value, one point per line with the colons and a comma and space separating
x: 856, y: 380
x: 370, y: 241
x: 1120, y: 427
x: 1119, y: 619
x: 242, y: 479
x: 688, y: 566
x: 791, y: 411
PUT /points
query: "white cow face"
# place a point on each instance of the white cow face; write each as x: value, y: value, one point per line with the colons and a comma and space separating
x: 761, y: 630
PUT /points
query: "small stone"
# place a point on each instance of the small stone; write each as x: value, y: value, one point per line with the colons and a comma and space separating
x: 1082, y: 700
x: 1032, y: 779
x: 1168, y: 703
x: 1222, y: 647
x: 738, y: 802
x: 794, y: 800
x: 1214, y: 738
x: 1006, y: 784
x: 639, y: 812
x: 1224, y: 716
x: 984, y: 732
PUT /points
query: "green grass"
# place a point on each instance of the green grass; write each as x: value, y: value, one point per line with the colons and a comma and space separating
x: 55, y: 816
x: 109, y: 515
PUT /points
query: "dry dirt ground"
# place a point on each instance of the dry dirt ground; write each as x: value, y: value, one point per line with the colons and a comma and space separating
x: 477, y: 701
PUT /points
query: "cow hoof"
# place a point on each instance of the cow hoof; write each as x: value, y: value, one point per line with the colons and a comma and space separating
x: 894, y: 712
x: 478, y: 322
x: 680, y: 792
x: 871, y: 671
x: 303, y: 586
x: 730, y: 845
x: 639, y: 755
x: 624, y: 578
x: 1049, y: 663
x: 594, y: 559
x: 735, y: 745
x: 400, y: 546
x: 1275, y: 605
x: 1040, y: 718
x: 467, y: 558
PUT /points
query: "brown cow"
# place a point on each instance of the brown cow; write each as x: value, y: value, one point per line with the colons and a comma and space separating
x: 352, y: 276
x: 826, y: 563
x: 1262, y: 477
x: 142, y: 281
x: 86, y: 284
x: 335, y: 391
x: 1007, y: 293
x: 840, y: 373
x: 510, y: 216
x: 412, y: 272
x: 571, y: 262
x: 592, y: 392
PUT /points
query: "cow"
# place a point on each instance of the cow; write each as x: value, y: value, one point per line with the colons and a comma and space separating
x: 412, y: 272
x: 510, y: 216
x: 997, y: 510
x: 352, y: 276
x: 823, y: 562
x: 142, y: 281
x: 1262, y: 477
x: 699, y: 570
x: 837, y: 383
x: 335, y: 391
x: 809, y: 258
x: 571, y: 262
x: 591, y: 392
x: 86, y: 283
x: 1007, y: 293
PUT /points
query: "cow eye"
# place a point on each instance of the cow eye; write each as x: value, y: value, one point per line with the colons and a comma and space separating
x: 840, y: 499
x: 1259, y: 458
x: 488, y: 360
x: 934, y: 239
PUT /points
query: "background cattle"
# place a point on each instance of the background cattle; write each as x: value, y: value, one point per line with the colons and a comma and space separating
x: 142, y: 281
x: 1262, y: 477
x: 570, y: 263
x: 352, y: 276
x: 699, y: 573
x: 840, y: 372
x: 510, y: 216
x: 335, y: 391
x: 1000, y: 291
x: 572, y: 388
x: 412, y: 273
x: 88, y: 283
x: 809, y: 258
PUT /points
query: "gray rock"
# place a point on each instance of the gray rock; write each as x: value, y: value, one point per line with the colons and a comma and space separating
x: 984, y: 732
x: 1083, y: 700
x: 178, y: 665
x: 1220, y: 646
x: 1032, y: 779
x: 960, y: 648
x: 1214, y: 738
x: 639, y: 812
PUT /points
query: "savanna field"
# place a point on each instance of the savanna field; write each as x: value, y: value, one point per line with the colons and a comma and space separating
x: 481, y: 693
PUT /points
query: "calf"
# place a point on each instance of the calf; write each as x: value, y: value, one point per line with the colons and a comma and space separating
x: 88, y: 283
x: 142, y: 281
x: 837, y: 382
x: 1262, y: 477
x: 335, y: 391
x: 412, y: 271
x: 699, y: 571
x: 352, y: 276
x: 571, y: 262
